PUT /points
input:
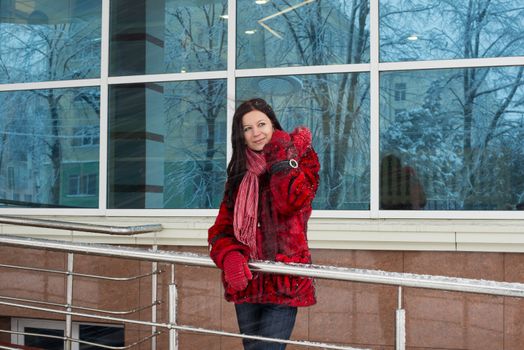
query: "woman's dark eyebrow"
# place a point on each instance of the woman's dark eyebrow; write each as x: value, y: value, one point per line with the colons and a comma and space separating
x: 261, y: 120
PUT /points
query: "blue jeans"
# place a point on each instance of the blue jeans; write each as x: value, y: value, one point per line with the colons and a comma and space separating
x: 265, y: 320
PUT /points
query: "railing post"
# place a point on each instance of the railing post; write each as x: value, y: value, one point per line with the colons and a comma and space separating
x: 173, y: 336
x: 69, y: 301
x: 154, y: 295
x: 400, y: 324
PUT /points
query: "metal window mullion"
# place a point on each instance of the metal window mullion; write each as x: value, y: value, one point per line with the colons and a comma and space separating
x: 453, y: 63
x: 104, y: 105
x: 325, y: 69
x: 231, y: 72
x: 166, y: 77
x: 374, y: 118
x: 58, y: 84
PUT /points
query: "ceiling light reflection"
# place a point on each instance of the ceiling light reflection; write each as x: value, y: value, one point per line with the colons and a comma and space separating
x: 413, y: 37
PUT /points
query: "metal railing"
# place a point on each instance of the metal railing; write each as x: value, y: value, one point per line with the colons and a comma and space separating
x: 190, y: 259
x: 75, y: 226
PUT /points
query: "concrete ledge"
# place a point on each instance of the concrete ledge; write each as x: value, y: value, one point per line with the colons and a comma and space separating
x: 328, y: 233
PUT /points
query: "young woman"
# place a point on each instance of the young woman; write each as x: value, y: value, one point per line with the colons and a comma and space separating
x: 272, y: 179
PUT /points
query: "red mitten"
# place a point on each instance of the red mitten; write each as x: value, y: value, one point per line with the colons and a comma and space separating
x: 280, y: 148
x: 301, y: 138
x: 236, y: 271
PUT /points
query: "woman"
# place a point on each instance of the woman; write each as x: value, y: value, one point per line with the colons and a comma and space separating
x: 272, y: 179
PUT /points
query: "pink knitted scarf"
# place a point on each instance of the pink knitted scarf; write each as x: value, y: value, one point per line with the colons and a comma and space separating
x: 246, y: 204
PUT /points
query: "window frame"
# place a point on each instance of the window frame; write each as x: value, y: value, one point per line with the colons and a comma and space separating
x: 374, y: 68
x: 82, y: 186
x: 18, y: 324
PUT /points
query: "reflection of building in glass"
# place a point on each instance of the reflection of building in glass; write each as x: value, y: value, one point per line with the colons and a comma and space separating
x: 430, y: 129
x: 61, y: 40
x: 167, y: 139
x: 40, y: 152
x: 47, y: 11
x: 81, y: 147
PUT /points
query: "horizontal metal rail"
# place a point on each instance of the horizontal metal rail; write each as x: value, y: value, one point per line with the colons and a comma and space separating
x: 140, y: 341
x: 316, y: 271
x: 3, y: 347
x: 111, y: 312
x: 184, y: 328
x: 60, y: 272
x: 74, y: 226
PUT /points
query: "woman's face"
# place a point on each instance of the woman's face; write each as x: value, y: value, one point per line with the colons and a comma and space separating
x: 257, y: 129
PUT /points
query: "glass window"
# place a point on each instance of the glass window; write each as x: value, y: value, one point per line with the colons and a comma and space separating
x: 37, y: 158
x: 48, y: 332
x: 460, y: 137
x: 83, y: 185
x: 53, y: 342
x: 170, y: 36
x: 49, y: 40
x: 281, y: 33
x: 10, y: 178
x: 412, y: 30
x: 400, y: 91
x: 336, y: 109
x: 86, y: 136
x: 105, y: 335
x: 74, y: 185
x: 157, y: 157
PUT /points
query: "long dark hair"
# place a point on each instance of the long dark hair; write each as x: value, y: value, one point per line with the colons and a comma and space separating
x: 237, y: 165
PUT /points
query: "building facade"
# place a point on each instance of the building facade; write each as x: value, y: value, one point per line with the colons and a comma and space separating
x: 119, y: 112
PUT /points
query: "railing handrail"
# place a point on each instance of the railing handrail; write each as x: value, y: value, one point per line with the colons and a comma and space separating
x: 75, y: 226
x: 317, y: 271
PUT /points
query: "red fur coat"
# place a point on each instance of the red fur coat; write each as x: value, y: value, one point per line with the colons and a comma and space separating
x: 285, y: 199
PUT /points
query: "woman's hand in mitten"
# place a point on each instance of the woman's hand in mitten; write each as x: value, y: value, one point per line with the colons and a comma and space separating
x: 278, y: 148
x: 236, y: 271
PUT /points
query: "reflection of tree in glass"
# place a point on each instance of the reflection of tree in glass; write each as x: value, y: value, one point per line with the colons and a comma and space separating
x: 196, y: 177
x: 318, y: 32
x: 487, y: 98
x: 16, y: 141
x: 429, y: 139
x: 32, y: 143
x: 422, y: 30
x: 498, y: 88
x: 465, y: 145
x: 196, y: 40
x: 47, y: 52
x: 196, y: 36
x: 334, y: 106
